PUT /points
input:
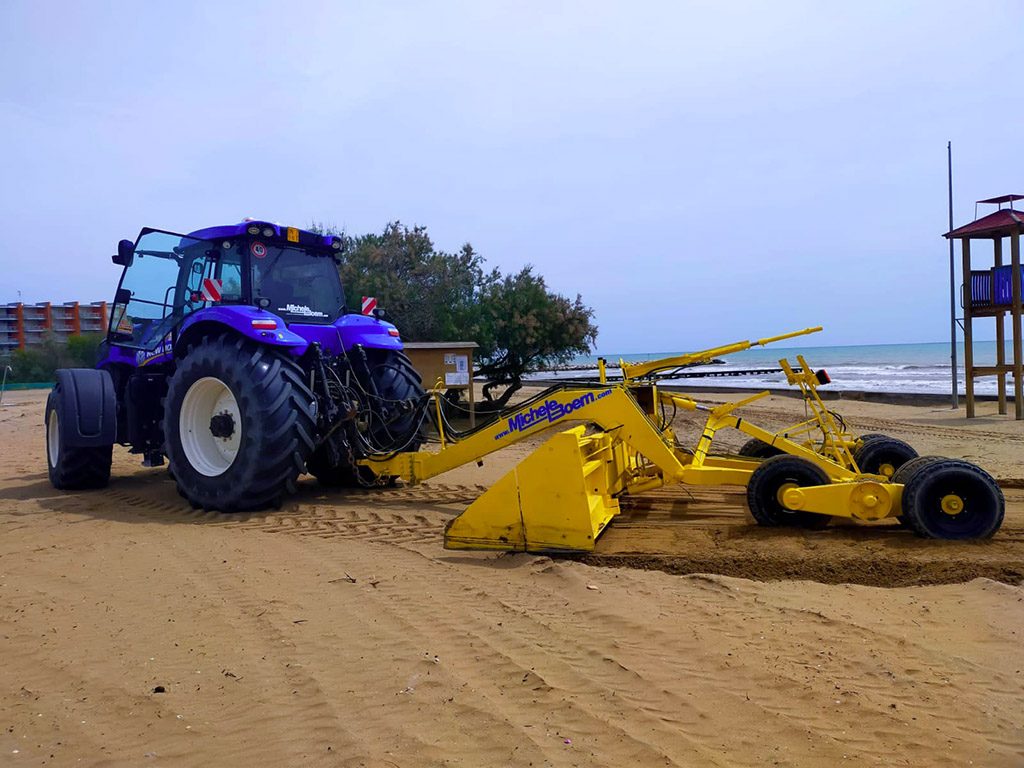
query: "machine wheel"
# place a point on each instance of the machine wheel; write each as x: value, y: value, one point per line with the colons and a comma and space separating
x: 72, y: 468
x: 952, y: 499
x: 904, y: 473
x: 239, y: 425
x: 770, y: 480
x: 394, y: 424
x: 882, y: 455
x: 758, y: 449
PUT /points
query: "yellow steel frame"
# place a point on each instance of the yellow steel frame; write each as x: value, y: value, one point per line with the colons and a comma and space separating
x: 631, y: 453
x: 633, y: 371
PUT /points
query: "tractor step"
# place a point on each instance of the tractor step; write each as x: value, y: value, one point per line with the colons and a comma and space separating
x: 558, y: 499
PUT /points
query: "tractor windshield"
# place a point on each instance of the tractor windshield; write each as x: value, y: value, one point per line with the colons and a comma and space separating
x: 302, y: 286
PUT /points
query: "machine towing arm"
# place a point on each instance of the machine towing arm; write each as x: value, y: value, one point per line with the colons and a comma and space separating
x: 562, y: 496
x: 633, y: 371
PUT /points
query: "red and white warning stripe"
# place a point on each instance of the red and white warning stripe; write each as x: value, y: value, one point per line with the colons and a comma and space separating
x: 369, y: 304
x: 211, y: 289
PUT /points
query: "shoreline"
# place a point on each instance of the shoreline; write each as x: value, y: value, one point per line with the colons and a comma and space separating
x: 862, y: 395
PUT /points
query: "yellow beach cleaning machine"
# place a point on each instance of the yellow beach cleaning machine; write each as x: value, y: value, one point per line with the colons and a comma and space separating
x: 563, y: 495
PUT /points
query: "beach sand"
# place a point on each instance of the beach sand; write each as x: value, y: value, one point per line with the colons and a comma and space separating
x: 337, y: 631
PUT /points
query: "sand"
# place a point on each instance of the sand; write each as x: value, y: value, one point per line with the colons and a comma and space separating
x: 338, y: 631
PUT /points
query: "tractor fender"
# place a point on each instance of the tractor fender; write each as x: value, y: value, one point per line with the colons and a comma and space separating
x: 244, y: 321
x: 368, y: 332
x: 88, y: 415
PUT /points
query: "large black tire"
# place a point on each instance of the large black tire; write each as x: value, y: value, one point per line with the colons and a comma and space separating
x: 766, y: 482
x: 266, y: 412
x: 882, y: 455
x: 395, y: 424
x: 72, y: 468
x: 398, y: 385
x: 758, y: 449
x: 904, y: 473
x: 952, y: 499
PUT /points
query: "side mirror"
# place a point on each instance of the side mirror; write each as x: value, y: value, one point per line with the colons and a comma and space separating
x: 125, y: 253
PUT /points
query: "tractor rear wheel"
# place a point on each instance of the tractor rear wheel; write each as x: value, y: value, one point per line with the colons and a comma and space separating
x: 72, y: 468
x: 755, y: 448
x: 882, y: 455
x: 239, y: 425
x: 771, y: 480
x: 394, y: 393
x: 952, y: 499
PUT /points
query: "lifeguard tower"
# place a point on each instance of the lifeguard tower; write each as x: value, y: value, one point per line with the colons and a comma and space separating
x: 992, y: 293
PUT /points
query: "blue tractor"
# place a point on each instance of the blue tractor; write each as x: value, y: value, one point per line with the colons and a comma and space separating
x: 232, y: 353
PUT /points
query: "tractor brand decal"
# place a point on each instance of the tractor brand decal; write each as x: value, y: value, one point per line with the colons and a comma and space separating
x: 258, y: 249
x: 301, y: 309
x: 211, y: 289
x: 163, y: 349
x: 369, y: 304
x: 548, y: 412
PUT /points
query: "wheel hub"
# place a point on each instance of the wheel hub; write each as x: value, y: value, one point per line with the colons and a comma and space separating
x: 952, y: 504
x: 222, y: 425
x: 780, y: 495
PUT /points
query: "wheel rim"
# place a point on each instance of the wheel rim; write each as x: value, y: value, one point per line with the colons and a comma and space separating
x: 208, y: 446
x: 887, y: 469
x: 951, y: 504
x: 53, y: 437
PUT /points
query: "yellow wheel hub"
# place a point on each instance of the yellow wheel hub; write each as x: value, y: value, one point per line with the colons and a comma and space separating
x: 952, y: 504
x: 887, y: 470
x: 781, y: 493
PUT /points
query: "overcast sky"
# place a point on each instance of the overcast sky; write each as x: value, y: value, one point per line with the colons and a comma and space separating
x: 699, y: 172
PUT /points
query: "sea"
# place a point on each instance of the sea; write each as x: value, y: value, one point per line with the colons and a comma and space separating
x: 922, y: 368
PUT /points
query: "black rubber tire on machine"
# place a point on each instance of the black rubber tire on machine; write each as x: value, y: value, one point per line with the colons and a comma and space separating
x: 950, y: 499
x: 395, y: 379
x: 758, y: 449
x: 882, y: 455
x: 903, y: 474
x: 72, y: 468
x: 238, y: 425
x: 770, y: 480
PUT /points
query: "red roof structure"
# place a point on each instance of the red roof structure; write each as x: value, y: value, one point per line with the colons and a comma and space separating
x: 1002, y: 199
x: 1002, y: 223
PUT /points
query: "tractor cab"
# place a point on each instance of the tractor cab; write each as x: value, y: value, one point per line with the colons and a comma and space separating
x: 286, y: 274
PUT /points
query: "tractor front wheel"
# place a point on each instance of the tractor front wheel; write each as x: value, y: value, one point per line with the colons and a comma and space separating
x: 72, y: 467
x: 239, y: 425
x: 769, y: 482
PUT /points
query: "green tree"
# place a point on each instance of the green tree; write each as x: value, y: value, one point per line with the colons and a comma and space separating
x: 518, y: 323
x: 526, y: 327
x: 37, y: 363
x: 431, y: 295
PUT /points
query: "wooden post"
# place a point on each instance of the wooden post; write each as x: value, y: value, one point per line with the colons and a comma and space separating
x: 997, y: 244
x: 1018, y: 368
x: 965, y: 246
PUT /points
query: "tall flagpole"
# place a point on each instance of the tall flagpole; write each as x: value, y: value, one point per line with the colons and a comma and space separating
x: 952, y: 282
